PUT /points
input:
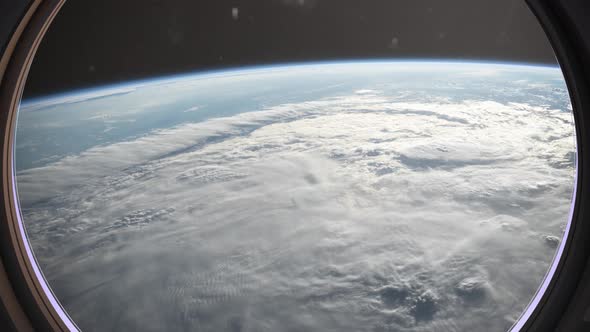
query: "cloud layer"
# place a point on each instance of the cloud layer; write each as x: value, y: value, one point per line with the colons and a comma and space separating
x: 349, y: 213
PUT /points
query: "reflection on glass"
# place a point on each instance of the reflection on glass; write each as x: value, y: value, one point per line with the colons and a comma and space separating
x: 348, y: 196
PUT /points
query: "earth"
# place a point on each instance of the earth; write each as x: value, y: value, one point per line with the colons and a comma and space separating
x: 344, y: 196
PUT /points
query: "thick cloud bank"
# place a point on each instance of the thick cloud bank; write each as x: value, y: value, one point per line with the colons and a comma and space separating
x: 359, y: 212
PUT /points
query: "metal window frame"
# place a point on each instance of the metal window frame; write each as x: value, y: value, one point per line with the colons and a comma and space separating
x: 26, y: 297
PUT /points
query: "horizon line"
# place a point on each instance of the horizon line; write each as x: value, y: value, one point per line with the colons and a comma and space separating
x: 254, y: 67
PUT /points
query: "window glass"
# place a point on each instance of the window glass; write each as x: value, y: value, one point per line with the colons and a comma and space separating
x: 417, y: 191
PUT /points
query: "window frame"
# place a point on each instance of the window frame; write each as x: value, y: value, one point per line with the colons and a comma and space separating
x: 31, y: 305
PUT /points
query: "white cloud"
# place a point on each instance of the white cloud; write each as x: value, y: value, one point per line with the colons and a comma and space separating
x: 341, y: 213
x: 192, y: 109
x: 39, y: 104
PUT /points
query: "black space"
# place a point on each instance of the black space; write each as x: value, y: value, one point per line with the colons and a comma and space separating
x: 10, y: 14
x: 99, y: 42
